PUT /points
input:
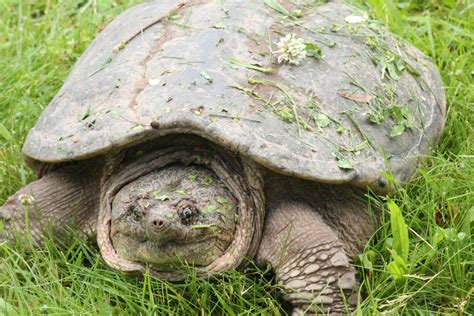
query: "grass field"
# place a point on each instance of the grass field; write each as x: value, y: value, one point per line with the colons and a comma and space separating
x: 40, y: 41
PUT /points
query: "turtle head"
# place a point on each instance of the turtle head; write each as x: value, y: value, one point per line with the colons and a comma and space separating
x: 175, y: 215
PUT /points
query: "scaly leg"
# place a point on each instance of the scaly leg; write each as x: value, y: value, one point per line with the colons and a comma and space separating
x: 309, y: 260
x: 67, y: 196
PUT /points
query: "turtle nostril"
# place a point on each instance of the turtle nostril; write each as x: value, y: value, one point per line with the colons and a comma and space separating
x: 158, y: 223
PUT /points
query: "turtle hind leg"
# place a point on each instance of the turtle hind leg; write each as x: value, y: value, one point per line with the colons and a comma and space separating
x: 309, y: 260
x: 66, y: 197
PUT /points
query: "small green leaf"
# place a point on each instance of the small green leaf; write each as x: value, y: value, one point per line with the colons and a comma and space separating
x: 397, y: 130
x: 219, y: 26
x: 335, y: 28
x: 398, y: 268
x: 286, y: 114
x: 210, y: 209
x: 438, y: 236
x: 358, y: 147
x: 366, y: 259
x: 392, y: 70
x: 450, y: 234
x: 208, y: 180
x: 222, y: 200
x: 164, y: 197
x: 397, y: 114
x: 375, y: 116
x: 461, y: 235
x: 86, y: 114
x: 175, y: 16
x: 202, y: 226
x: 322, y: 120
x: 339, y: 128
x: 138, y: 128
x: 117, y: 83
x: 388, y: 243
x: 313, y: 50
x: 408, y: 115
x: 207, y: 77
x: 181, y: 192
x: 305, y: 125
x: 399, y: 230
x: 192, y: 176
x: 344, y: 163
x: 5, y: 133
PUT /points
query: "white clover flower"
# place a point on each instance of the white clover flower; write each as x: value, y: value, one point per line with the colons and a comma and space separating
x: 154, y: 82
x: 291, y: 49
x: 354, y: 19
x: 26, y: 199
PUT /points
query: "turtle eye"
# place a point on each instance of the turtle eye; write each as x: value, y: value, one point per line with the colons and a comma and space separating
x: 185, y: 213
x: 134, y: 214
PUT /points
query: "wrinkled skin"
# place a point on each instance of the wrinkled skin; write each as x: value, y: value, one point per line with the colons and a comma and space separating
x: 179, y: 215
x: 311, y: 234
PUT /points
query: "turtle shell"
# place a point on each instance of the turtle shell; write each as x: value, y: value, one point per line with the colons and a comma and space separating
x: 362, y: 101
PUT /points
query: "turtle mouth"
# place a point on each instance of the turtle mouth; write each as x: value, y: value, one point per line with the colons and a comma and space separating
x: 185, y: 238
x: 175, y: 244
x: 176, y: 253
x: 161, y: 245
x: 173, y: 255
x: 244, y: 181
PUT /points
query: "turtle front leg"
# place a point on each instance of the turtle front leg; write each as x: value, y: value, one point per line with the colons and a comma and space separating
x: 66, y: 197
x: 309, y: 259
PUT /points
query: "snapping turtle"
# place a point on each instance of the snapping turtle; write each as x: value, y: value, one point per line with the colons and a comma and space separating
x: 216, y: 133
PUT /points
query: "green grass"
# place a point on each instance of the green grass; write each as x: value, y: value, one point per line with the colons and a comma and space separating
x: 39, y: 42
